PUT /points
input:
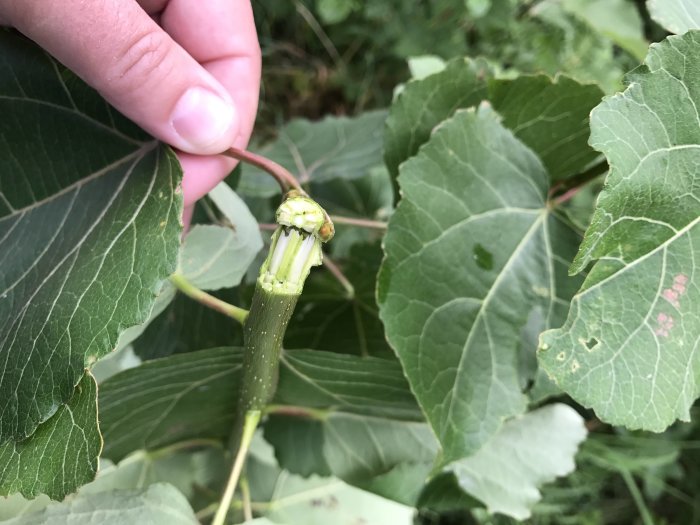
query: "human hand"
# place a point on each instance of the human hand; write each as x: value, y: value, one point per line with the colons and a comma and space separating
x: 187, y: 71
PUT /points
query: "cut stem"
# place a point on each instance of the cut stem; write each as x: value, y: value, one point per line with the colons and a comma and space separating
x: 284, y: 178
x: 252, y: 418
x: 234, y: 312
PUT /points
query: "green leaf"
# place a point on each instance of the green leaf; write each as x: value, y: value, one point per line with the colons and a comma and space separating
x: 193, y: 395
x: 525, y: 453
x: 335, y: 11
x: 298, y: 444
x: 423, y: 104
x: 335, y: 147
x: 61, y: 455
x: 628, y: 348
x: 344, y: 383
x: 551, y: 117
x: 326, y: 318
x: 188, y: 325
x: 472, y: 253
x: 183, y: 397
x: 159, y: 504
x: 368, y: 197
x: 189, y: 472
x: 291, y: 499
x: 618, y: 20
x: 372, y: 453
x: 326, y: 500
x: 212, y: 257
x: 89, y: 229
x: 677, y: 16
x: 248, y: 237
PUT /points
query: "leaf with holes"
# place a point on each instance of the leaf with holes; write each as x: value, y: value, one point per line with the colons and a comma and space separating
x: 89, y: 229
x: 473, y: 253
x: 629, y: 346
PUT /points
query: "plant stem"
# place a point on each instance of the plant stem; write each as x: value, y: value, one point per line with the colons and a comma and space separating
x: 284, y: 178
x: 295, y: 411
x: 340, y: 276
x: 181, y: 283
x: 245, y: 494
x: 563, y: 191
x: 363, y: 223
x: 252, y: 418
x: 264, y: 330
x: 637, y: 497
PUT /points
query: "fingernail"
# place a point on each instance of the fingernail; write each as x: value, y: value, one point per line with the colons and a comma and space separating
x: 201, y: 118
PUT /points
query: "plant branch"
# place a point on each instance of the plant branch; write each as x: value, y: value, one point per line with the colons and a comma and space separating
x: 245, y: 494
x: 297, y: 411
x: 335, y: 270
x: 564, y: 190
x: 181, y: 283
x: 284, y: 178
x: 363, y: 223
x: 252, y: 418
x: 637, y: 497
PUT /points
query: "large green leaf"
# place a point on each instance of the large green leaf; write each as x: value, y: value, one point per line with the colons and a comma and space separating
x: 335, y: 147
x: 290, y: 499
x: 189, y: 472
x: 187, y: 325
x: 629, y: 346
x: 473, y: 255
x: 549, y: 116
x: 89, y: 228
x: 677, y: 16
x: 424, y: 103
x: 618, y: 20
x: 525, y: 453
x: 360, y: 450
x: 193, y: 395
x: 159, y: 504
x: 61, y: 455
x: 213, y: 257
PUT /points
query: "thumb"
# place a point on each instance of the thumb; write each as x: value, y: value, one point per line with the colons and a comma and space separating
x: 117, y: 48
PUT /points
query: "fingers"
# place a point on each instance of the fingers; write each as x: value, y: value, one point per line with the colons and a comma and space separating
x: 115, y: 46
x: 220, y: 34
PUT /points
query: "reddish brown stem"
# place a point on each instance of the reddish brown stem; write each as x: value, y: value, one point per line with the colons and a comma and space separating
x: 285, y: 179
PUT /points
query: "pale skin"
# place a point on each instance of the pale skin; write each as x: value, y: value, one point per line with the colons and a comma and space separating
x: 187, y: 71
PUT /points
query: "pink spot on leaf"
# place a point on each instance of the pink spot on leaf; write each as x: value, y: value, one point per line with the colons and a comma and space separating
x: 671, y: 296
x: 665, y: 324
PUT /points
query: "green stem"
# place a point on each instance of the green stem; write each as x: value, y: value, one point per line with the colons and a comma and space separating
x: 637, y: 497
x: 245, y: 496
x: 363, y: 223
x: 181, y: 283
x: 335, y: 270
x: 284, y: 178
x: 263, y: 333
x: 252, y: 419
x: 297, y: 411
